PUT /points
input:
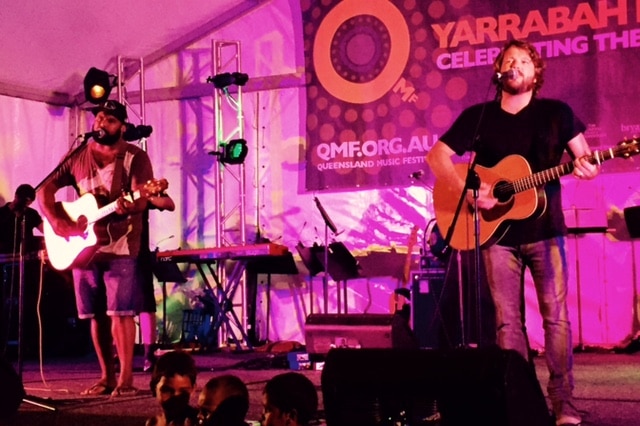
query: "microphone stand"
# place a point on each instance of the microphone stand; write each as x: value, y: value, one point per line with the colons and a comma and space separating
x: 25, y: 398
x: 472, y: 182
x: 21, y: 293
x: 328, y: 224
x: 66, y: 158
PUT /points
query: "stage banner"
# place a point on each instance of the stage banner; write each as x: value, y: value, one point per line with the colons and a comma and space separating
x: 385, y: 78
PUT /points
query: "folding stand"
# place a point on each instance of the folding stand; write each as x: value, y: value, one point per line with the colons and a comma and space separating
x: 281, y: 265
x: 223, y: 300
x: 340, y: 266
x: 313, y: 265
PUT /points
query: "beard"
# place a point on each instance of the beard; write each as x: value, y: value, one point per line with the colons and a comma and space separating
x: 513, y: 88
x: 110, y: 139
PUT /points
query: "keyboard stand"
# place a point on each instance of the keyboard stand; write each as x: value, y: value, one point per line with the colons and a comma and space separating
x: 211, y: 266
x: 222, y: 299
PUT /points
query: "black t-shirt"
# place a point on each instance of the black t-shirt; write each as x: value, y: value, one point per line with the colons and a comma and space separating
x: 539, y: 133
x: 10, y: 228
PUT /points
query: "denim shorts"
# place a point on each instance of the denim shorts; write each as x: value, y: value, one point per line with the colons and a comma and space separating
x: 112, y: 287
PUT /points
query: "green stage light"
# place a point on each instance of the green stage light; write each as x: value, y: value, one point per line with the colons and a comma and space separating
x: 232, y: 152
x: 235, y: 151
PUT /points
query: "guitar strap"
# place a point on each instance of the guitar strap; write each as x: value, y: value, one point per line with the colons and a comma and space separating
x: 117, y: 184
x: 117, y: 226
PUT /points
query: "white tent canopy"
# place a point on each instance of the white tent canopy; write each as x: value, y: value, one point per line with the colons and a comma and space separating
x: 47, y: 47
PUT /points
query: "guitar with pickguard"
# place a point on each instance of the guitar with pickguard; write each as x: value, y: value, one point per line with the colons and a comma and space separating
x: 77, y: 250
x: 519, y: 192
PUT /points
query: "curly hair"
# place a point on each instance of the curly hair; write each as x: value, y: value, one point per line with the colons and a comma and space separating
x: 538, y: 63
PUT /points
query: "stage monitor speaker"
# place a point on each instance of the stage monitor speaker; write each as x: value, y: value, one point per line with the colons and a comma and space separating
x: 325, y: 331
x: 632, y: 219
x: 463, y: 386
x: 11, y: 391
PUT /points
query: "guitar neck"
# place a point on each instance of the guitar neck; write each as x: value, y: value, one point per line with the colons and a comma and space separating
x: 540, y: 178
x: 105, y: 211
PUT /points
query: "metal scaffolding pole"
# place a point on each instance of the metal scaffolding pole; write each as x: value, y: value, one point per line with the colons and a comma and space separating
x: 128, y: 69
x: 230, y: 193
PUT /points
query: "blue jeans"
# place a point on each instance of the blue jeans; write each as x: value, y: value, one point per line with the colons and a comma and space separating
x: 547, y: 263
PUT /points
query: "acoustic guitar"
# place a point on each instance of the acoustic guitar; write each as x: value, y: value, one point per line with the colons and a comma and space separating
x: 519, y: 192
x: 77, y: 250
x: 400, y: 297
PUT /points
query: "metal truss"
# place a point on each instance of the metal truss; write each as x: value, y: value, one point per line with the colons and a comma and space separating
x: 229, y: 124
x: 128, y: 69
x: 230, y: 194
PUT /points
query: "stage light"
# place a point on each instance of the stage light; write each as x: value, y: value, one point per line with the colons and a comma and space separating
x: 134, y: 133
x: 224, y: 80
x: 98, y: 85
x: 239, y: 78
x: 233, y: 152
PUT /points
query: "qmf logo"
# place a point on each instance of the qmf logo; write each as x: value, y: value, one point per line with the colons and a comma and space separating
x: 361, y: 49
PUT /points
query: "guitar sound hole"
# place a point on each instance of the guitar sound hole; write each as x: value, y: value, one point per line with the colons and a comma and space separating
x: 82, y: 222
x: 503, y: 191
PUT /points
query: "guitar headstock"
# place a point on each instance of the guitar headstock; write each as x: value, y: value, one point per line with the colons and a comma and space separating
x: 154, y: 187
x: 413, y: 238
x: 627, y: 148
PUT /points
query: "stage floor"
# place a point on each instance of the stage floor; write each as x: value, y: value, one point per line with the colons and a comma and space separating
x: 607, y: 388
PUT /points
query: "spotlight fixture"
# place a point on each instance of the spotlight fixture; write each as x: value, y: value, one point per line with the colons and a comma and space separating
x: 224, y: 80
x: 134, y: 133
x: 233, y: 152
x: 98, y: 85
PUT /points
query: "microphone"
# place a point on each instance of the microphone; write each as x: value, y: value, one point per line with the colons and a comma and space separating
x: 417, y: 175
x: 508, y: 75
x: 163, y: 240
x: 96, y: 134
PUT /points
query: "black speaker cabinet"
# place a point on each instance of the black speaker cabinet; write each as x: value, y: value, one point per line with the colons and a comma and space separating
x: 325, y: 331
x: 464, y: 386
x: 62, y: 333
x: 11, y: 391
x: 426, y: 310
x: 632, y: 219
x: 435, y: 308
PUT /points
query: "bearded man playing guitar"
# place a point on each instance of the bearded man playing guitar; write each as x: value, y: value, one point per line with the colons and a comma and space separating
x: 520, y: 125
x: 106, y: 272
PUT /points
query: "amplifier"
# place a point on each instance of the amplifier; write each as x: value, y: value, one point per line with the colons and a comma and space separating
x: 426, y: 318
x: 326, y: 331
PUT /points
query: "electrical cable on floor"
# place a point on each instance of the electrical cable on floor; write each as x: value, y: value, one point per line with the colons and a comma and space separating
x: 47, y: 387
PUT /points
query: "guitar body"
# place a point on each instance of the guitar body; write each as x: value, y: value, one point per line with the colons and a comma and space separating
x: 494, y: 222
x: 76, y: 250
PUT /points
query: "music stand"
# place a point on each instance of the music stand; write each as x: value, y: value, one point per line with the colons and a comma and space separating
x: 309, y: 258
x: 166, y: 272
x: 313, y: 265
x: 280, y: 265
x: 340, y: 265
x: 328, y: 225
